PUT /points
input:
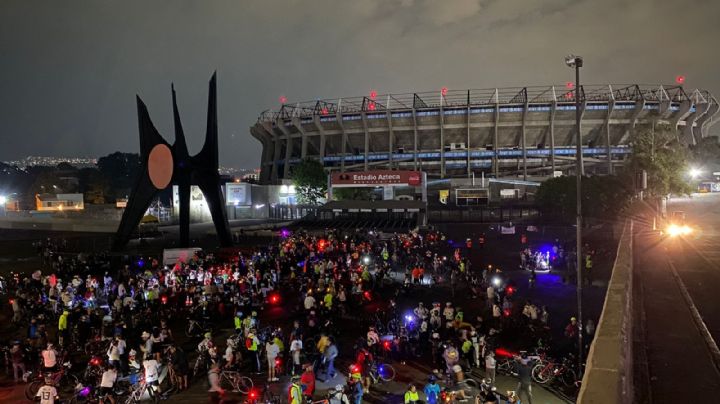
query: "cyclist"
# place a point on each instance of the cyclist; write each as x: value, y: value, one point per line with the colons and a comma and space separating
x: 214, y: 381
x: 295, y: 392
x: 107, y: 381
x: 411, y: 395
x: 339, y: 396
x: 432, y: 391
x: 151, y: 374
x: 49, y: 358
x: 47, y: 394
x: 307, y: 381
x: 421, y: 312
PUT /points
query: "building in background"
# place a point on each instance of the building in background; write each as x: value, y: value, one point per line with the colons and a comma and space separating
x: 59, y: 202
x: 502, y: 132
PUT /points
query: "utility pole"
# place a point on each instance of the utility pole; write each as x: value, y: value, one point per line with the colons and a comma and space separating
x: 577, y: 62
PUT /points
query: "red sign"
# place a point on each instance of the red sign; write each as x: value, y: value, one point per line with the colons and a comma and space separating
x: 376, y: 178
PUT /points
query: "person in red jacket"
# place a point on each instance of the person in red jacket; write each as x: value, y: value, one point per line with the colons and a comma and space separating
x: 307, y: 381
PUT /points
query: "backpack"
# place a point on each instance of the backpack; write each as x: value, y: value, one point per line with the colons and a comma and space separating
x: 248, y: 343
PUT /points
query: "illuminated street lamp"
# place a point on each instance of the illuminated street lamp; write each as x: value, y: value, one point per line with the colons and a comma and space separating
x: 694, y: 172
x: 576, y: 62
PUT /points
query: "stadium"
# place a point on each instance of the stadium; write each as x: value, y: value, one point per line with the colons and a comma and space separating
x: 501, y: 132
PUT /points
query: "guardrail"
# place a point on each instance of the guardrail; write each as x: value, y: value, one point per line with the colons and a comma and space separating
x: 608, y: 374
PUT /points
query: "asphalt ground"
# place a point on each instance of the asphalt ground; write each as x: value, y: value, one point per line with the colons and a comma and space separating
x: 679, y: 283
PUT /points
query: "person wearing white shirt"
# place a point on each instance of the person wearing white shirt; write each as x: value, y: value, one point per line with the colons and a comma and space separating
x: 107, y: 381
x: 296, y: 347
x: 151, y: 372
x: 47, y: 393
x: 309, y: 302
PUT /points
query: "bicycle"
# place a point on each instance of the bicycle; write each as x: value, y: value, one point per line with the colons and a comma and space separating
x: 382, y: 372
x: 547, y: 372
x: 234, y: 381
x: 62, y: 379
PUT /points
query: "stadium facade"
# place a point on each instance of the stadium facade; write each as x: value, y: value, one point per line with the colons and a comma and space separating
x: 512, y: 132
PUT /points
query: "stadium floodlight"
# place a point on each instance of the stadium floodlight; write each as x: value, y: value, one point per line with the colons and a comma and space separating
x: 573, y: 61
x: 694, y: 172
x: 3, y: 200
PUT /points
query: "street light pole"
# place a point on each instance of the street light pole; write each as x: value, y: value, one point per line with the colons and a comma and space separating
x: 577, y: 62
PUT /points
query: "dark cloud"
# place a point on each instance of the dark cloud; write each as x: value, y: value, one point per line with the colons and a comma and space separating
x: 69, y: 70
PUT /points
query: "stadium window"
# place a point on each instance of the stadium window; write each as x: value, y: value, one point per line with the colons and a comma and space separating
x: 651, y: 106
x: 454, y: 112
x: 328, y: 119
x: 596, y: 107
x: 539, y: 108
x: 428, y: 113
x: 351, y: 117
x: 481, y: 110
x: 401, y: 114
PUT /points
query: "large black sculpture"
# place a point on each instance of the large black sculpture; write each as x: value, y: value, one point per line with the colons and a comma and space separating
x: 163, y: 164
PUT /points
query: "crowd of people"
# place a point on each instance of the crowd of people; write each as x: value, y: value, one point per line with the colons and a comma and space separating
x: 162, y: 324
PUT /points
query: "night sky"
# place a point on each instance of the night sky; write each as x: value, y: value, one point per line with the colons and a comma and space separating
x: 69, y: 70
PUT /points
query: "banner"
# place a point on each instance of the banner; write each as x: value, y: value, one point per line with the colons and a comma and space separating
x: 238, y: 194
x: 507, y: 230
x: 376, y: 178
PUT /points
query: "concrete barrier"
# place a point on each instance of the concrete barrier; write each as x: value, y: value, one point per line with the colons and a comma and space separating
x: 608, y: 374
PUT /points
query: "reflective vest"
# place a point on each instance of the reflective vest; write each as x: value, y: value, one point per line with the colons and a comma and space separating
x: 295, y: 394
x: 411, y: 397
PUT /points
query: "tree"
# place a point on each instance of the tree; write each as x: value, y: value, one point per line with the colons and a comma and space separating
x: 120, y: 171
x: 310, y: 181
x: 93, y: 185
x: 603, y: 197
x: 658, y: 152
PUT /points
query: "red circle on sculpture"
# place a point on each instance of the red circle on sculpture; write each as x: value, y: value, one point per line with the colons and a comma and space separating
x: 160, y: 166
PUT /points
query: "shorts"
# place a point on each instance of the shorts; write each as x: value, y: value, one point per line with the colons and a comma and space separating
x: 106, y: 391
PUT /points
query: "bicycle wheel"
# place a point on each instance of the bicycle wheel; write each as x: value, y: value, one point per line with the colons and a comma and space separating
x: 386, y: 372
x: 32, y: 389
x: 541, y: 373
x: 66, y: 385
x: 469, y: 384
x: 227, y: 380
x: 243, y: 384
x: 568, y: 377
x: 504, y: 366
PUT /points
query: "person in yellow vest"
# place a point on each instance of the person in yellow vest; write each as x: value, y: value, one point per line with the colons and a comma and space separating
x: 411, y: 395
x: 252, y: 343
x: 62, y: 326
x: 295, y: 391
x: 238, y: 321
x: 588, y: 268
x: 328, y: 300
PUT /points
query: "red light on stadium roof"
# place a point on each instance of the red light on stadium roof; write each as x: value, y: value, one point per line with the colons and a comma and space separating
x: 324, y: 111
x: 371, y: 106
x: 373, y: 94
x: 443, y: 91
x: 680, y: 79
x: 569, y: 95
x: 569, y: 85
x: 283, y: 99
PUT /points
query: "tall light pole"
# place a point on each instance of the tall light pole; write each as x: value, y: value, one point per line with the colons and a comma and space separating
x: 576, y: 62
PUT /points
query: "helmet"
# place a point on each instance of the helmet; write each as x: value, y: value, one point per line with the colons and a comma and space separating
x: 432, y: 379
x: 420, y: 304
x: 132, y: 352
x: 207, y: 335
x: 295, y: 378
x: 239, y: 314
x: 448, y: 304
x: 573, y: 319
x: 254, y: 313
x: 339, y: 387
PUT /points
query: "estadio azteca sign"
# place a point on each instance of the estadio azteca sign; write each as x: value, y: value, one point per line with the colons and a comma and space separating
x: 376, y: 178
